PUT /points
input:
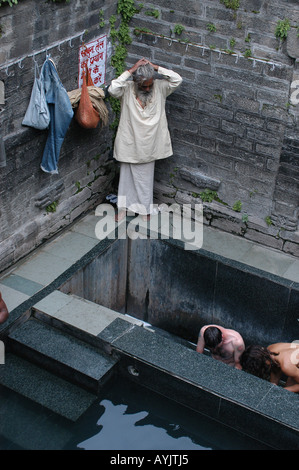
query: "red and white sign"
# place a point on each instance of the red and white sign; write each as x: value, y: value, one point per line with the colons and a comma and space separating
x: 93, y: 54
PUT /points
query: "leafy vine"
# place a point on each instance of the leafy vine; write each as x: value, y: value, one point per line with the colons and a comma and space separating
x: 120, y: 38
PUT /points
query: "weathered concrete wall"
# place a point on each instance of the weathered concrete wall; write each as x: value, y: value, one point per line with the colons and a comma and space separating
x: 180, y: 291
x: 85, y: 171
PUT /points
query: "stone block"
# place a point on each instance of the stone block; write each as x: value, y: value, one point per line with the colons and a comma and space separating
x: 250, y: 120
x: 2, y: 93
x: 243, y: 103
x: 293, y: 43
x: 291, y: 248
x: 199, y: 179
x: 233, y: 128
x: 264, y: 239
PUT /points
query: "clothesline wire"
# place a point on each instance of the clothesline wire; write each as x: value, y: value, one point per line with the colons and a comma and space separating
x: 40, y: 51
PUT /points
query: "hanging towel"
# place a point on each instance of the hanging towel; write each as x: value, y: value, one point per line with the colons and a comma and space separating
x: 61, y: 114
x: 2, y: 152
x: 37, y: 114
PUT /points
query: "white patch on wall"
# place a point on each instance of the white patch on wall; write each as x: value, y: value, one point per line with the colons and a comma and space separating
x: 2, y: 93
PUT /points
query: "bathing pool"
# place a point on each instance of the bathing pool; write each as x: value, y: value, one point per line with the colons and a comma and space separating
x: 117, y: 319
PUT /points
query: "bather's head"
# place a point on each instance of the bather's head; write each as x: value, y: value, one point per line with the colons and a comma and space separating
x: 258, y: 361
x: 144, y: 82
x: 212, y: 337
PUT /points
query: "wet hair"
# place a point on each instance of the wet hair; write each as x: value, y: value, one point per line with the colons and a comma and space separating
x: 258, y: 361
x: 212, y: 337
x: 143, y: 73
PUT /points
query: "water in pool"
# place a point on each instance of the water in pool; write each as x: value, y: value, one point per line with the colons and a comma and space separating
x: 127, y: 417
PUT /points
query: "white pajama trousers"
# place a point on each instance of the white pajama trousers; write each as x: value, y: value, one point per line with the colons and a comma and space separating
x: 135, y: 189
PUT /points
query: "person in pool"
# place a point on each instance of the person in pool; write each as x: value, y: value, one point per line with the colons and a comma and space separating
x: 271, y: 362
x: 225, y: 345
x: 3, y: 310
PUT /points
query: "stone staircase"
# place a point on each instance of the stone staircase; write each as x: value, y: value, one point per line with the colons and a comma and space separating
x: 53, y: 368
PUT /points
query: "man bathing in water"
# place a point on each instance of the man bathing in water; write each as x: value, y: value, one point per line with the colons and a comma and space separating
x: 271, y: 362
x: 225, y: 345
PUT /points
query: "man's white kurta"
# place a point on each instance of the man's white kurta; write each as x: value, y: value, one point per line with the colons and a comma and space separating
x: 143, y: 134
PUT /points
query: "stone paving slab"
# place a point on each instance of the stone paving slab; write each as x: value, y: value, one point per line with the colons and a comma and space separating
x: 70, y: 246
x: 43, y: 267
x: 21, y: 284
x: 79, y: 313
x: 12, y: 296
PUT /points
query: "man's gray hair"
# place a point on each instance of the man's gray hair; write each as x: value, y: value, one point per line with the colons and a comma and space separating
x: 143, y: 73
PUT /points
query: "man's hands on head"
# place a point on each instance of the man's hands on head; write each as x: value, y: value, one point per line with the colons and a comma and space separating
x: 140, y: 62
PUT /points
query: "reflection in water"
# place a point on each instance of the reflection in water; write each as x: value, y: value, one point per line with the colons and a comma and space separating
x: 120, y: 431
x: 131, y: 417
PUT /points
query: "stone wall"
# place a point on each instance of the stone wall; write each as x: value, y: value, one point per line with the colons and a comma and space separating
x: 234, y: 128
x: 27, y: 193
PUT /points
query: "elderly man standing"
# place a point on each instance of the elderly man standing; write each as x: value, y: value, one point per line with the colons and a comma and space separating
x: 142, y: 136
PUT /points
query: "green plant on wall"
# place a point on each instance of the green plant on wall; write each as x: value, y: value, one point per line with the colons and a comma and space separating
x: 178, y: 29
x: 282, y: 28
x: 208, y: 195
x: 232, y: 4
x: 101, y: 19
x: 232, y: 42
x: 154, y: 13
x: 52, y: 207
x: 237, y: 206
x: 211, y: 27
x: 121, y: 38
x: 9, y: 2
x: 245, y: 218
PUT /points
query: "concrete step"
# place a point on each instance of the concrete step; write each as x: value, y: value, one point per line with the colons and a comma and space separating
x: 79, y: 317
x: 42, y: 387
x: 62, y: 354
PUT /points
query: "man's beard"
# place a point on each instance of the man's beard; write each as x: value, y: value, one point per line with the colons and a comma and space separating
x: 144, y: 96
